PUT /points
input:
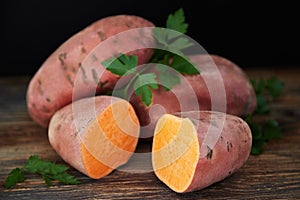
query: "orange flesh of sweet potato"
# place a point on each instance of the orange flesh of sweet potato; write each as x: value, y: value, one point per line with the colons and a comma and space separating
x: 176, y: 150
x: 96, y: 145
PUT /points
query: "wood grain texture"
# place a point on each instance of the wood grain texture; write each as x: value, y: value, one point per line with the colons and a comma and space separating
x: 275, y: 174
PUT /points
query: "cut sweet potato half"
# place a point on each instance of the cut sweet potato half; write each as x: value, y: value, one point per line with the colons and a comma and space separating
x: 98, y: 143
x: 176, y: 152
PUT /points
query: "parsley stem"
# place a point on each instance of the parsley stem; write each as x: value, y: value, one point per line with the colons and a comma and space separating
x: 133, y: 79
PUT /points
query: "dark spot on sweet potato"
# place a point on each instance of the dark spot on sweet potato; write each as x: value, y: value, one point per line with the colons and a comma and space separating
x: 83, y: 73
x: 74, y: 70
x: 62, y: 57
x: 83, y: 50
x: 229, y: 172
x: 68, y: 77
x: 203, y: 120
x: 62, y: 116
x: 101, y: 84
x: 68, y: 118
x: 221, y: 138
x: 209, y: 153
x: 101, y: 35
x: 48, y: 100
x: 41, y: 91
x: 75, y: 134
x: 128, y: 24
x: 229, y: 146
x: 95, y: 76
x: 58, y: 127
x: 45, y: 109
x: 33, y: 105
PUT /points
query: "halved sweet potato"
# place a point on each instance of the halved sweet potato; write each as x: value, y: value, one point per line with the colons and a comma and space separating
x: 95, y: 139
x: 196, y: 149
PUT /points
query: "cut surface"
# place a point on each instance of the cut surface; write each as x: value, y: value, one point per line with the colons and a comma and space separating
x: 175, y: 151
x: 110, y: 140
x: 94, y: 168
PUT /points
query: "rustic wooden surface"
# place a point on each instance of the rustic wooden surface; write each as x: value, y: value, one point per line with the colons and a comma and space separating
x: 275, y: 174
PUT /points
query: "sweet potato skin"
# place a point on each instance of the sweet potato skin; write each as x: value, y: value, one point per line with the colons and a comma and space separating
x: 231, y: 149
x: 229, y: 153
x: 52, y: 86
x: 67, y: 129
x: 240, y: 95
x: 239, y: 98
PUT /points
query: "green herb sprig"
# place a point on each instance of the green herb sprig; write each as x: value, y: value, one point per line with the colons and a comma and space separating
x: 267, y: 90
x: 48, y: 170
x: 173, y: 44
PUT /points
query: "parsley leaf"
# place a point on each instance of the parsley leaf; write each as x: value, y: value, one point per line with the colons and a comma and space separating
x: 143, y: 86
x: 66, y: 178
x: 180, y: 44
x: 183, y: 66
x: 266, y: 91
x: 275, y: 87
x: 37, y: 165
x: 166, y: 77
x: 48, y: 170
x: 172, y: 38
x: 172, y: 41
x: 271, y: 130
x: 47, y: 180
x: 171, y: 44
x: 121, y: 65
x: 177, y: 21
x: 14, y: 177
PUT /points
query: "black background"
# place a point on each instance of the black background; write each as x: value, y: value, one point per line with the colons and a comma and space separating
x: 250, y: 33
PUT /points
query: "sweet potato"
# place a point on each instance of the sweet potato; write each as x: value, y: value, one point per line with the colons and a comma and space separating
x: 197, y: 149
x: 95, y: 139
x: 221, y: 86
x: 52, y: 86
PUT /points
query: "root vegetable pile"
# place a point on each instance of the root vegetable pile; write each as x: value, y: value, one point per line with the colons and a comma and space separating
x: 97, y: 134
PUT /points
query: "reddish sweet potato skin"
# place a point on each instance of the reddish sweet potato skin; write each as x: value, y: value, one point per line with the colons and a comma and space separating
x: 67, y: 128
x: 52, y: 86
x: 63, y: 134
x: 228, y: 155
x: 240, y: 96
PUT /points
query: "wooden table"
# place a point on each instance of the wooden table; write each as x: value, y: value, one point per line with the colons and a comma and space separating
x: 275, y: 174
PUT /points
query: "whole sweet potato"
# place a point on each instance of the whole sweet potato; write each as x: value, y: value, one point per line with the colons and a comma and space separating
x: 196, y: 149
x: 95, y: 135
x: 52, y: 86
x: 221, y: 86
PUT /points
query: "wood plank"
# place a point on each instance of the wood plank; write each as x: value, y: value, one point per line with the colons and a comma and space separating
x: 275, y: 174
